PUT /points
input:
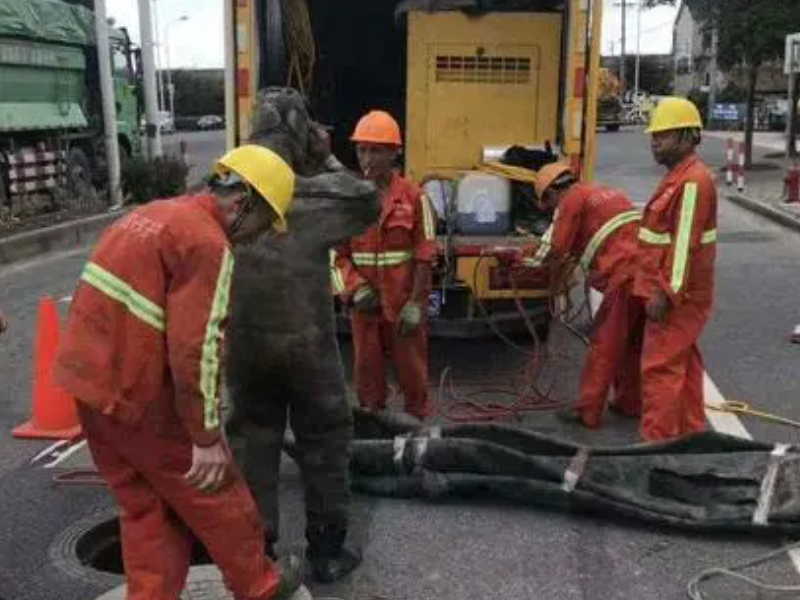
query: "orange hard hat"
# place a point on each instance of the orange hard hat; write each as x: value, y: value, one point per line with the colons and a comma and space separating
x: 549, y: 174
x: 378, y: 127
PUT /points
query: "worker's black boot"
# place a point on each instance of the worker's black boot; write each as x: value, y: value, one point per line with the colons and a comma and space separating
x: 291, y: 573
x: 327, y: 555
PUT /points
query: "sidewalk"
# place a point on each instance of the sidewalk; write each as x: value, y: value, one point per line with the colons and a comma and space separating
x: 764, y: 183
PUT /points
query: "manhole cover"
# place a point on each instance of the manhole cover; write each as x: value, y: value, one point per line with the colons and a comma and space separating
x: 99, y: 549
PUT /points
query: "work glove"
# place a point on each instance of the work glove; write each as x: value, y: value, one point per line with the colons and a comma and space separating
x: 409, y: 318
x: 366, y: 300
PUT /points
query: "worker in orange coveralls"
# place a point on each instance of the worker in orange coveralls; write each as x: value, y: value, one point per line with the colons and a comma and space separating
x: 674, y: 277
x: 596, y: 225
x: 385, y: 275
x: 142, y: 353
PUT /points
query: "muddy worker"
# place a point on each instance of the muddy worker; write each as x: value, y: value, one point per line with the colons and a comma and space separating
x: 385, y: 275
x: 674, y: 276
x: 142, y: 352
x: 595, y: 225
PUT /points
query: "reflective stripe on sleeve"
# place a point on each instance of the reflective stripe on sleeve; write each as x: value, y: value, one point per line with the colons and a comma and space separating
x: 606, y: 230
x: 210, y: 363
x: 709, y: 237
x: 683, y: 238
x: 652, y: 237
x: 115, y: 288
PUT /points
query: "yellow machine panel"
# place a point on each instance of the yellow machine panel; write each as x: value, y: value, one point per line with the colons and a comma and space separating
x: 491, y: 80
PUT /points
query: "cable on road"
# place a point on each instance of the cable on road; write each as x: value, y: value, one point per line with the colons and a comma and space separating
x: 693, y: 588
x: 742, y: 408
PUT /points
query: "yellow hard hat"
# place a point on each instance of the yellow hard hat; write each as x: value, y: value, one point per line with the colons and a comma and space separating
x: 266, y: 172
x: 674, y: 113
x: 548, y: 174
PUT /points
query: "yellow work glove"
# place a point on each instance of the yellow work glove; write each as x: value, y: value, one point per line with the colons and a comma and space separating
x: 366, y: 300
x: 409, y: 318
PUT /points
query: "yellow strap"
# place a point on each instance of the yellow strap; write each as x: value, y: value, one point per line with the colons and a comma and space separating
x: 428, y: 220
x: 509, y: 172
x: 680, y: 258
x: 602, y: 234
x: 117, y: 289
x: 742, y: 408
x: 209, y: 363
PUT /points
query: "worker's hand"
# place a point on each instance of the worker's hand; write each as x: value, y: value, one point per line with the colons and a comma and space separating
x: 366, y: 300
x: 657, y: 307
x: 319, y: 142
x: 209, y: 467
x: 409, y: 318
x: 506, y: 256
x: 3, y: 322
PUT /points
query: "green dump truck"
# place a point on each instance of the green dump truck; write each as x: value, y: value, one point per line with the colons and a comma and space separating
x: 51, y: 128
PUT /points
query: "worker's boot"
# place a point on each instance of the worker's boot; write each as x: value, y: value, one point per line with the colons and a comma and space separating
x: 327, y: 555
x: 291, y: 573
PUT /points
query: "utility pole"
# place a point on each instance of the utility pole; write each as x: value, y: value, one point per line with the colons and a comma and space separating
x: 638, y: 48
x: 162, y: 99
x: 623, y: 4
x: 712, y: 69
x: 109, y: 106
x: 152, y: 130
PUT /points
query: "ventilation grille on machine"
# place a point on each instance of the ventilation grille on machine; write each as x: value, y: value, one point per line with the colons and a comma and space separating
x: 483, y: 69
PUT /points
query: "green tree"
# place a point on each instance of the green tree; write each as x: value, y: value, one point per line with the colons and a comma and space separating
x: 751, y: 33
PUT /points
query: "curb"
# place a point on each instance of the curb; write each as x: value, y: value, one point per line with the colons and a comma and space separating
x: 766, y: 210
x: 64, y: 236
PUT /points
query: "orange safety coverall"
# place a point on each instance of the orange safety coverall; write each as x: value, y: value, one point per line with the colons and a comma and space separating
x: 677, y: 249
x: 599, y: 225
x: 141, y: 353
x: 385, y: 257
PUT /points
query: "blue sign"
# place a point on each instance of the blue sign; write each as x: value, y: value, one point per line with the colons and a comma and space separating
x: 727, y: 112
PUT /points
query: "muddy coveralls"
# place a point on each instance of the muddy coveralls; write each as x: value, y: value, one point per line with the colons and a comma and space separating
x: 677, y: 249
x: 599, y: 225
x: 141, y: 353
x: 385, y: 257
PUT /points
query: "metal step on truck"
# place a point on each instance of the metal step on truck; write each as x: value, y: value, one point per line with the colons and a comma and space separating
x: 471, y: 82
x: 51, y: 130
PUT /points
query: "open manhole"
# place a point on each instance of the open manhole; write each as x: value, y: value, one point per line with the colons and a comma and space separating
x: 100, y: 548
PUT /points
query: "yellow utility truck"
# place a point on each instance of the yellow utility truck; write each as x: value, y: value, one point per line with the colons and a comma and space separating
x: 471, y: 82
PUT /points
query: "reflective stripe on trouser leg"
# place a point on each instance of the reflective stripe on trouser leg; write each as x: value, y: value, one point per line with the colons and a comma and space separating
x: 369, y: 362
x: 410, y: 360
x: 607, y: 352
x: 672, y: 392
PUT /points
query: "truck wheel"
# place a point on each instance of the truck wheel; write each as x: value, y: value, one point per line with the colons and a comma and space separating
x: 79, y: 171
x: 612, y: 128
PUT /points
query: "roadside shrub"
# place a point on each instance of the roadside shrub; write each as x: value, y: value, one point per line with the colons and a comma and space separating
x: 144, y: 180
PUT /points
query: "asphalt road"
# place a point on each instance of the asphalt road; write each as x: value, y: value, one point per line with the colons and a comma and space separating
x: 202, y: 149
x: 417, y: 550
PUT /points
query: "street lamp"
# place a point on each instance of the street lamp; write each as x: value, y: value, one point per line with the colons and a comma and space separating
x: 170, y: 85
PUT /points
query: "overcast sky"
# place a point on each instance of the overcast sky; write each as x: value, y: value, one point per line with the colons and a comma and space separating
x: 197, y: 43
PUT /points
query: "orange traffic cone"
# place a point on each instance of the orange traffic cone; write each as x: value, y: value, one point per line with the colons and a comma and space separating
x: 54, y: 413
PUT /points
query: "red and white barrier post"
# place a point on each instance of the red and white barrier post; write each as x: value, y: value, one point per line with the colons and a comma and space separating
x: 729, y: 165
x: 740, y: 170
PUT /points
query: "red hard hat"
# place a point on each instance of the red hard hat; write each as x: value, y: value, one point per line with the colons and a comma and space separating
x: 378, y: 127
